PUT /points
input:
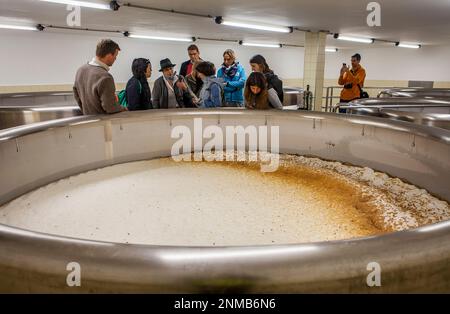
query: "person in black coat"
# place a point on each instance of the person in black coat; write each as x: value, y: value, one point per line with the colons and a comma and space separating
x: 194, y: 56
x: 259, y: 64
x: 138, y: 92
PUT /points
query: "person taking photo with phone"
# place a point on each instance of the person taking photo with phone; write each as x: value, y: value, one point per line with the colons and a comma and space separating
x: 352, y: 80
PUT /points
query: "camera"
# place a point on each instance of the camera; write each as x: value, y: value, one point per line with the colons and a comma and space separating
x: 114, y: 5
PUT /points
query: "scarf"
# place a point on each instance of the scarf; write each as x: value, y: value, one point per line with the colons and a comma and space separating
x: 231, y: 70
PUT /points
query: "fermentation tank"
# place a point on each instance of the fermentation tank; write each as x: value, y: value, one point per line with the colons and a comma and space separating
x: 26, y: 108
x: 415, y: 92
x: 425, y: 111
x: 414, y: 260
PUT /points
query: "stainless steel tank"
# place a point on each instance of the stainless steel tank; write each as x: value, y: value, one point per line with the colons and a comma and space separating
x: 431, y: 112
x: 47, y: 99
x: 293, y: 98
x: 26, y: 108
x: 12, y: 116
x: 415, y: 92
x: 411, y: 261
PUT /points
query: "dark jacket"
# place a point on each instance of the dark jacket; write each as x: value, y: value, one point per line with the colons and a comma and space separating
x: 183, y: 69
x: 194, y: 84
x: 274, y: 82
x: 161, y: 95
x: 139, y: 96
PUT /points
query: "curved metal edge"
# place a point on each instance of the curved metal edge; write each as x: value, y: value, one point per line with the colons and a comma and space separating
x: 400, y: 100
x: 408, y: 92
x: 35, y: 94
x: 19, y: 131
x: 38, y: 108
x: 425, y: 131
x: 278, y: 268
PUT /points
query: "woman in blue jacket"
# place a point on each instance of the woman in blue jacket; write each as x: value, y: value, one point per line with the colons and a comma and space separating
x: 233, y: 76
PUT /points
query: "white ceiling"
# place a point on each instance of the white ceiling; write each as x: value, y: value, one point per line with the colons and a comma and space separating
x: 425, y: 22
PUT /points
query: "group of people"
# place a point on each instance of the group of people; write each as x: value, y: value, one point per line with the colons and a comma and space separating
x: 198, y: 85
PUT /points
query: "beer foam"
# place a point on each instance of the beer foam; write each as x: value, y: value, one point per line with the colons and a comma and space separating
x: 163, y: 202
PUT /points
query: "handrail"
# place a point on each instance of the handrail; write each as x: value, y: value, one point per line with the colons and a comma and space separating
x: 415, y: 92
x: 346, y: 106
x: 330, y: 95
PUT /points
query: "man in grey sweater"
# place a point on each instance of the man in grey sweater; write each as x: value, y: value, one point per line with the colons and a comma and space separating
x: 94, y: 88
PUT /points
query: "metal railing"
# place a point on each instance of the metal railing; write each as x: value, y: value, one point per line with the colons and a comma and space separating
x: 415, y: 92
x: 330, y: 95
x: 380, y: 107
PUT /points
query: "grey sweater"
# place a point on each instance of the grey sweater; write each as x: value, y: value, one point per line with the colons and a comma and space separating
x: 95, y: 91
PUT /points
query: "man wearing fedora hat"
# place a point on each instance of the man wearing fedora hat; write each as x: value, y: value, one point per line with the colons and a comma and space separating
x: 170, y: 91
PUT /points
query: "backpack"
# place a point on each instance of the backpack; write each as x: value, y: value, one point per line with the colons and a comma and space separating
x: 362, y: 94
x: 222, y: 92
x: 122, y: 96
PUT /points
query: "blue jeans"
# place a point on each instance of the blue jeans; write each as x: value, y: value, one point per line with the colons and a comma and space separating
x: 343, y: 102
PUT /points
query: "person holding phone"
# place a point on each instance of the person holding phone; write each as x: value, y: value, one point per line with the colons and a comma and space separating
x: 352, y: 80
x: 170, y: 90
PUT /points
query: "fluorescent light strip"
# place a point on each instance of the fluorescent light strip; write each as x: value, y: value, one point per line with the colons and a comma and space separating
x: 23, y: 28
x: 411, y: 46
x: 258, y: 27
x: 85, y: 4
x: 160, y: 38
x: 356, y: 39
x: 331, y: 50
x: 261, y: 45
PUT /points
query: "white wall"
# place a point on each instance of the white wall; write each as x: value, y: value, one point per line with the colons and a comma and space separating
x: 44, y: 58
x: 28, y: 58
x: 430, y: 63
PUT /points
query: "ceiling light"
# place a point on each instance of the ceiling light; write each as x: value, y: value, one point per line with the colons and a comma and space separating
x: 331, y: 50
x: 260, y: 45
x: 279, y: 29
x: 354, y: 39
x: 412, y: 46
x: 23, y: 28
x: 126, y: 34
x: 102, y: 6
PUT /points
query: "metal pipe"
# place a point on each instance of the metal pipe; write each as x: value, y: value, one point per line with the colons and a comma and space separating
x: 130, y: 5
x: 391, y: 106
x: 410, y: 92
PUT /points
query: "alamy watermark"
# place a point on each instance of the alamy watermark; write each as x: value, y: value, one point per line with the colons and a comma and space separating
x: 73, y: 279
x: 73, y: 19
x: 374, y: 277
x: 374, y: 17
x: 238, y: 143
